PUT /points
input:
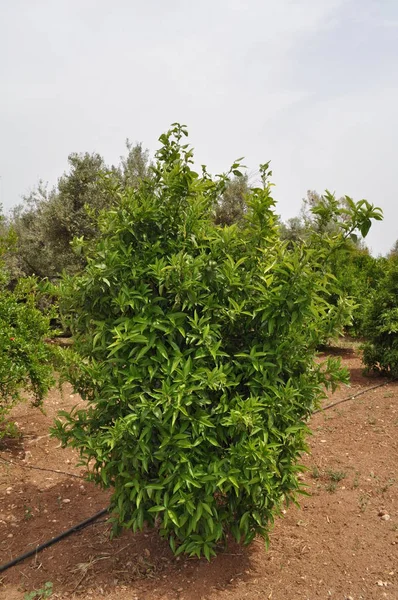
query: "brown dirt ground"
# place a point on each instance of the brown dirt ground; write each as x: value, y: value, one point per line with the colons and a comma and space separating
x: 342, y: 543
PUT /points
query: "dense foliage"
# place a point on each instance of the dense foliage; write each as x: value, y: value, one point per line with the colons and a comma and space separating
x: 380, y: 352
x: 195, y: 349
x: 25, y: 358
x: 356, y: 273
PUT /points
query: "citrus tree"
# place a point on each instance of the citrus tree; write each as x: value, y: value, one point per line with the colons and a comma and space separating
x: 380, y: 352
x: 355, y: 272
x: 195, y: 351
x: 25, y: 358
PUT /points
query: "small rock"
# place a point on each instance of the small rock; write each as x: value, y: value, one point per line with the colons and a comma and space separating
x: 386, y: 517
x: 382, y: 583
x: 10, y: 535
x: 382, y: 512
x: 11, y: 518
x: 349, y: 598
x: 66, y: 500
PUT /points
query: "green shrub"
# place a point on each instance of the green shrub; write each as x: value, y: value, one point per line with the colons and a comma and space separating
x: 359, y: 274
x: 25, y: 358
x: 380, y: 353
x: 354, y: 270
x: 194, y: 347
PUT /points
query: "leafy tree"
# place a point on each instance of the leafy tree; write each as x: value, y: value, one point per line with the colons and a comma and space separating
x: 354, y: 270
x: 358, y: 274
x: 195, y: 350
x: 322, y: 214
x: 134, y: 167
x: 25, y: 358
x: 380, y: 352
x: 48, y: 221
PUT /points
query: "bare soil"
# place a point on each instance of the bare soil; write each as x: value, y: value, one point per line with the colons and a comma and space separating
x: 342, y: 543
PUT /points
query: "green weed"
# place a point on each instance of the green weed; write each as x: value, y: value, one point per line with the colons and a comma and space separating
x: 44, y: 592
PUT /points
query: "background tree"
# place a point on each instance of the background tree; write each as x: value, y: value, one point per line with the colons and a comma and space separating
x: 134, y: 167
x: 294, y: 230
x: 380, y: 352
x: 47, y: 221
x: 394, y: 250
x: 231, y: 206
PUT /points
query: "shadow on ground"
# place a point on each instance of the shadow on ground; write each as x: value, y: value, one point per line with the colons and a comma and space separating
x: 89, y: 560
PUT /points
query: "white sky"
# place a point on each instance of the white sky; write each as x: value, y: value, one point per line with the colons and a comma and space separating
x: 311, y: 85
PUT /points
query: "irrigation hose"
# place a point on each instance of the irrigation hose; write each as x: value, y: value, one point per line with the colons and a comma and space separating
x: 53, y: 540
x: 57, y: 471
x: 352, y: 397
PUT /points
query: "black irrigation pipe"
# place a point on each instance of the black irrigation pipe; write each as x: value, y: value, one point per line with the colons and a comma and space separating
x: 354, y: 396
x: 53, y: 540
x: 10, y: 462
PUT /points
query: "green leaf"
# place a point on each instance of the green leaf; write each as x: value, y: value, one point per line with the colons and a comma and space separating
x: 156, y: 509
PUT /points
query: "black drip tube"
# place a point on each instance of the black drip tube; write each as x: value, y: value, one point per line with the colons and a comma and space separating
x: 53, y: 540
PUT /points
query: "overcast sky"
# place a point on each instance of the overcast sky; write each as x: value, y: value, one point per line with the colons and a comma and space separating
x: 311, y: 85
